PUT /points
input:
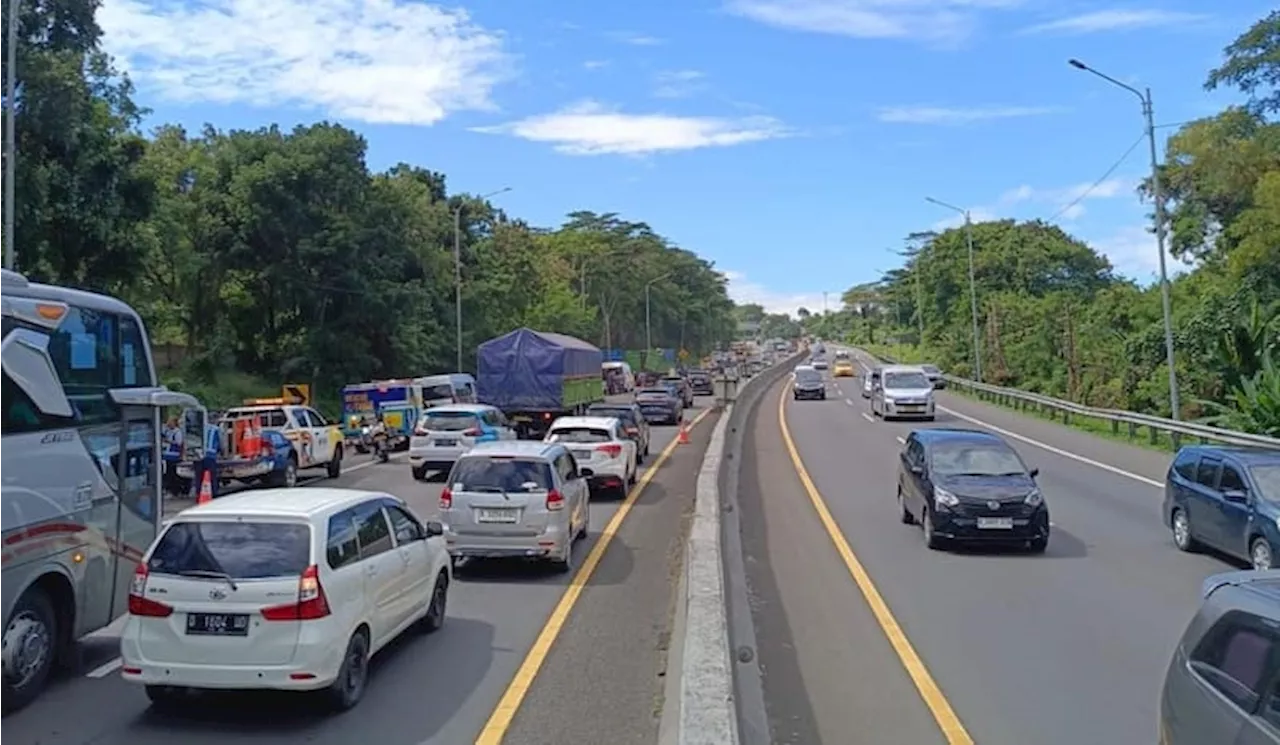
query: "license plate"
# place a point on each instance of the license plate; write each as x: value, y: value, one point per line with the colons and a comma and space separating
x: 446, y: 443
x: 217, y: 624
x: 496, y: 516
x: 995, y: 523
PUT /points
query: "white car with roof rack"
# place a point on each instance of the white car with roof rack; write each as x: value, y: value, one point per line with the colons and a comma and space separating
x: 282, y: 589
x: 601, y: 448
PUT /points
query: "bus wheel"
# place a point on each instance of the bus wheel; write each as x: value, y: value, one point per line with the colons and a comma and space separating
x: 28, y: 649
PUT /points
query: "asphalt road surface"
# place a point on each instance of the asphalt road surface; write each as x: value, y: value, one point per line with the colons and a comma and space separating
x: 889, y: 642
x: 598, y: 679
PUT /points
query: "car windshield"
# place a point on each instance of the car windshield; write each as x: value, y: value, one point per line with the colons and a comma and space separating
x: 673, y: 381
x: 495, y: 473
x: 1268, y: 480
x: 436, y: 392
x: 579, y: 434
x: 971, y: 459
x: 625, y: 414
x: 808, y: 376
x: 449, y: 421
x: 239, y: 550
x: 905, y: 380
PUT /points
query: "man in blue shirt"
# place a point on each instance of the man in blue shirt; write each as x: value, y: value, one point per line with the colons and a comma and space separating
x: 208, y: 463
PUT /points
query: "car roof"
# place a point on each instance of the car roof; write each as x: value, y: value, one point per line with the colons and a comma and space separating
x: 460, y: 409
x: 1246, y: 455
x: 933, y: 435
x: 297, y: 501
x: 901, y: 368
x: 516, y: 449
x: 584, y: 421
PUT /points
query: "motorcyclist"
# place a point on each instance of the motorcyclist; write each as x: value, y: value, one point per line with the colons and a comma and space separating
x: 378, y: 435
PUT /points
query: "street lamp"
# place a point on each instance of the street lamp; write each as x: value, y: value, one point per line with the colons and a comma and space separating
x: 1148, y: 114
x: 648, y: 326
x: 973, y: 285
x: 457, y: 266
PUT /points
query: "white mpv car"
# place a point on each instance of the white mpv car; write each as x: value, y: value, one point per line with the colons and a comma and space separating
x: 286, y: 589
x: 600, y: 447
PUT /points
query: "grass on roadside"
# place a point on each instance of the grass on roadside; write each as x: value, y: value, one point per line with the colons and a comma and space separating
x: 1150, y: 440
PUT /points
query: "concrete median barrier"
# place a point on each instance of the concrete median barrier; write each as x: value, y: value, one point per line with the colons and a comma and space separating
x: 713, y: 693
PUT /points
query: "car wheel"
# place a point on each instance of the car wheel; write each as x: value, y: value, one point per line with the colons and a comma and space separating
x: 1260, y: 554
x: 335, y: 466
x: 564, y: 564
x: 289, y: 476
x: 931, y: 538
x: 30, y: 643
x: 419, y: 474
x: 904, y: 513
x: 1038, y: 545
x: 1182, y: 537
x: 585, y: 528
x: 348, y: 688
x: 437, y: 605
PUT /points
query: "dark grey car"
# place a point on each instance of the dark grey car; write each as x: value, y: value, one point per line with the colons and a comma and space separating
x: 660, y: 405
x: 1223, y: 685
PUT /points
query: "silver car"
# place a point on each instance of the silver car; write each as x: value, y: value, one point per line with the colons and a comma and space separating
x: 903, y: 391
x: 515, y: 499
x: 1223, y: 685
x: 444, y: 433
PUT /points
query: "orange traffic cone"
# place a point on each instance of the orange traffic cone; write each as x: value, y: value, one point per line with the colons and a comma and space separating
x: 206, y: 489
x: 683, y: 438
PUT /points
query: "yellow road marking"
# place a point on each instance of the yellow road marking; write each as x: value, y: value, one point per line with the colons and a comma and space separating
x: 500, y: 720
x: 952, y: 729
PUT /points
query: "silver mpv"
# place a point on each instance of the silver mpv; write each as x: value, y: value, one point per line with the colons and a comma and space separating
x: 516, y: 498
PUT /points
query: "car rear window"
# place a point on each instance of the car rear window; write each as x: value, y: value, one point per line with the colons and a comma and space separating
x: 579, y: 434
x: 498, y: 473
x: 625, y: 414
x: 242, y: 550
x: 449, y: 421
x: 664, y: 392
x: 435, y: 392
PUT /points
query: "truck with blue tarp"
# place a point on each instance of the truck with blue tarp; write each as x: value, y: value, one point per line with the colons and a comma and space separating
x: 399, y: 402
x: 536, y: 376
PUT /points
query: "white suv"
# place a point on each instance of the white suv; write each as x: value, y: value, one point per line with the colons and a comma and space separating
x: 287, y: 589
x: 601, y: 448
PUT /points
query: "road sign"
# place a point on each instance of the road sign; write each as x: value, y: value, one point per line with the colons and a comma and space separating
x: 296, y: 394
x: 684, y: 354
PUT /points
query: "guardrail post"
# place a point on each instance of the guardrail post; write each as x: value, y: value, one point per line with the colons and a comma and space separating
x: 1115, y: 427
x: 1133, y: 430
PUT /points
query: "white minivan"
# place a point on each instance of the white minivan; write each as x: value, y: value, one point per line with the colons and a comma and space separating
x: 284, y: 589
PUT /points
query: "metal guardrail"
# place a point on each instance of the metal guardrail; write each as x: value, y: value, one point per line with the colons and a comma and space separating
x: 1134, y: 422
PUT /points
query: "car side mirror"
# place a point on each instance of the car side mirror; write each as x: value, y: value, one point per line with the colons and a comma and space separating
x: 1033, y: 472
x: 434, y: 529
x: 1237, y: 496
x: 586, y: 472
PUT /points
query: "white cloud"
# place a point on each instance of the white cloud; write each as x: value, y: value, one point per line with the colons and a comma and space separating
x: 962, y: 115
x: 1132, y: 251
x: 590, y: 128
x: 678, y: 83
x: 976, y: 215
x: 743, y: 291
x: 390, y: 61
x: 1069, y: 200
x: 926, y: 20
x: 638, y: 40
x: 1115, y: 20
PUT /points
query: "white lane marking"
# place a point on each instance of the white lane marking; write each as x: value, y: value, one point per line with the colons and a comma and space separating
x: 104, y: 670
x: 901, y: 440
x: 1056, y: 451
x: 868, y: 417
x: 848, y: 402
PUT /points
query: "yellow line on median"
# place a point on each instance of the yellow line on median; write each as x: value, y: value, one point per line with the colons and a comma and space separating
x: 500, y: 720
x: 952, y: 729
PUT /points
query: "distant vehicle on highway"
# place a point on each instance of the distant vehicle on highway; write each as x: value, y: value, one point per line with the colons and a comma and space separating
x: 808, y: 383
x: 700, y: 381
x: 843, y: 367
x: 818, y: 361
x: 516, y: 499
x: 682, y: 388
x: 902, y: 392
x: 444, y: 433
x: 1226, y: 499
x: 1223, y: 684
x: 634, y: 425
x: 535, y: 376
x: 660, y: 404
x: 968, y: 486
x: 282, y: 589
x: 934, y: 374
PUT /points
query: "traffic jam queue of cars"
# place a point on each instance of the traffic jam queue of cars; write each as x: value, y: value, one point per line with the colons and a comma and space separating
x: 296, y: 588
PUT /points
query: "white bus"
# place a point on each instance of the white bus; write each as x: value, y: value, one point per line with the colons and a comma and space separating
x: 81, y: 496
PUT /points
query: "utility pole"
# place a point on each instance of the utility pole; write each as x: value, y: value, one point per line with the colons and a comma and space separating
x: 10, y: 136
x: 973, y: 285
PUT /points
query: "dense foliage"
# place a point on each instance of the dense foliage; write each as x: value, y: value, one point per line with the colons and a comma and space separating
x: 280, y: 254
x: 1054, y: 318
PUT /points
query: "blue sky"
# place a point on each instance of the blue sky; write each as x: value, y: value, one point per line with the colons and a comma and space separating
x: 793, y: 142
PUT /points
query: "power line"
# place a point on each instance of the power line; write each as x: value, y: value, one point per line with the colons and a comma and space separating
x: 1085, y: 194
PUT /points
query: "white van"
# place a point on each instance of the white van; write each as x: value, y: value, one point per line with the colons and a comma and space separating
x: 628, y: 378
x: 448, y: 388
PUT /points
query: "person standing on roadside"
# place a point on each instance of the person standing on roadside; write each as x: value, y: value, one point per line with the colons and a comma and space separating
x: 173, y: 441
x: 208, y: 462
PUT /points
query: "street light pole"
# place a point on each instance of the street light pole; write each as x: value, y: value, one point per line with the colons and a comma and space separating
x: 10, y: 136
x: 973, y: 284
x: 1148, y: 114
x: 457, y: 269
x: 648, y: 324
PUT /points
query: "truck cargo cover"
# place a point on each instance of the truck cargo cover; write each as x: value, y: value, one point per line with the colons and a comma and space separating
x: 526, y: 369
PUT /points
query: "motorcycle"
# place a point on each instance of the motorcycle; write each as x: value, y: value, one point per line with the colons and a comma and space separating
x: 381, y: 447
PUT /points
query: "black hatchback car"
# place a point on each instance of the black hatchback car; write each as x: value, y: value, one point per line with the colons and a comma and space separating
x: 700, y: 381
x: 968, y: 486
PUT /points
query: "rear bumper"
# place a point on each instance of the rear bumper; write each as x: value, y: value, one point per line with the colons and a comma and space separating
x: 315, y: 665
x: 815, y: 393
x: 550, y: 542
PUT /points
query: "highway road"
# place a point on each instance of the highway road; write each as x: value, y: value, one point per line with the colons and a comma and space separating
x: 526, y: 656
x: 867, y: 636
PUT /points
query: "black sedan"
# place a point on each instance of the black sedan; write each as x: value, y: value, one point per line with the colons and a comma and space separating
x: 700, y: 381
x: 634, y: 425
x: 968, y: 486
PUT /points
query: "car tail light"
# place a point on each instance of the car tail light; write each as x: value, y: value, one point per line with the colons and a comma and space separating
x: 471, y: 432
x: 311, y: 603
x: 555, y: 500
x: 613, y: 450
x: 139, y: 603
x: 446, y: 499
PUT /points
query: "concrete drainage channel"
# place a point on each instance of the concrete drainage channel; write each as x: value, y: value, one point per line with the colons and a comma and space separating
x: 715, y: 696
